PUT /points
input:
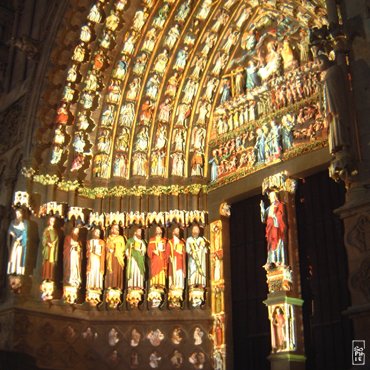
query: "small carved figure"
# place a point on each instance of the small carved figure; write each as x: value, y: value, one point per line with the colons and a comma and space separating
x: 155, y: 337
x: 177, y: 359
x: 113, y: 337
x: 135, y: 338
x: 176, y: 337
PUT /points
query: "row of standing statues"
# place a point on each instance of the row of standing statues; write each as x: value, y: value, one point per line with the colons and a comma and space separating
x: 115, y: 263
x: 172, y: 262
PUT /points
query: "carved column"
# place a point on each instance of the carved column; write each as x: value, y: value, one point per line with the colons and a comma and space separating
x: 284, y: 301
x: 218, y: 293
x: 356, y: 210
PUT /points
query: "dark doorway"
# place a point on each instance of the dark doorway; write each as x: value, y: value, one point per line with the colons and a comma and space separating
x: 324, y: 275
x: 251, y: 328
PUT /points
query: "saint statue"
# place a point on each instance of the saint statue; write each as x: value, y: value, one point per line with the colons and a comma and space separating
x: 95, y: 253
x: 274, y: 217
x: 72, y: 254
x: 278, y: 322
x: 17, y: 244
x: 50, y: 241
x: 177, y: 260
x: 115, y: 253
x: 135, y: 252
x: 335, y: 104
x: 158, y: 255
x: 196, y: 248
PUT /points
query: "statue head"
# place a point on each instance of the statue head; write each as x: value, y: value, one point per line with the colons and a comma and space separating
x: 158, y: 231
x: 18, y: 214
x: 138, y: 233
x: 273, y: 197
x: 323, y: 62
x: 176, y: 232
x: 52, y: 221
x: 114, y: 229
x: 96, y: 234
x: 195, y: 231
x: 75, y: 233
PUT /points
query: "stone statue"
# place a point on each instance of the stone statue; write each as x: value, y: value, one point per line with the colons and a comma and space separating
x: 72, y: 254
x: 279, y: 323
x: 115, y: 254
x: 17, y: 244
x: 50, y: 241
x: 158, y: 255
x: 95, y: 253
x: 196, y: 248
x: 335, y: 104
x: 274, y: 217
x: 177, y: 260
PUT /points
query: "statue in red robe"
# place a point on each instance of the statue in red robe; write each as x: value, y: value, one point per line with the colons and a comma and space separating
x: 274, y: 217
x: 158, y: 255
x: 50, y: 241
x: 95, y: 253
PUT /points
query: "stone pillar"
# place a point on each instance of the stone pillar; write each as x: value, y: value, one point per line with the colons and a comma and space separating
x: 355, y: 213
x: 284, y: 301
x: 357, y: 241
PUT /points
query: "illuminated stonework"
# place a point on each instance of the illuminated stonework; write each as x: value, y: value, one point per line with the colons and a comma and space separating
x: 227, y: 83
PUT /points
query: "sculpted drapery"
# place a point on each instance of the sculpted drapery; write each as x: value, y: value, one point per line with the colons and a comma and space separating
x: 72, y: 254
x: 95, y: 253
x: 177, y: 260
x: 17, y: 244
x: 135, y: 252
x: 158, y: 255
x: 196, y: 248
x: 115, y: 254
x: 50, y: 241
